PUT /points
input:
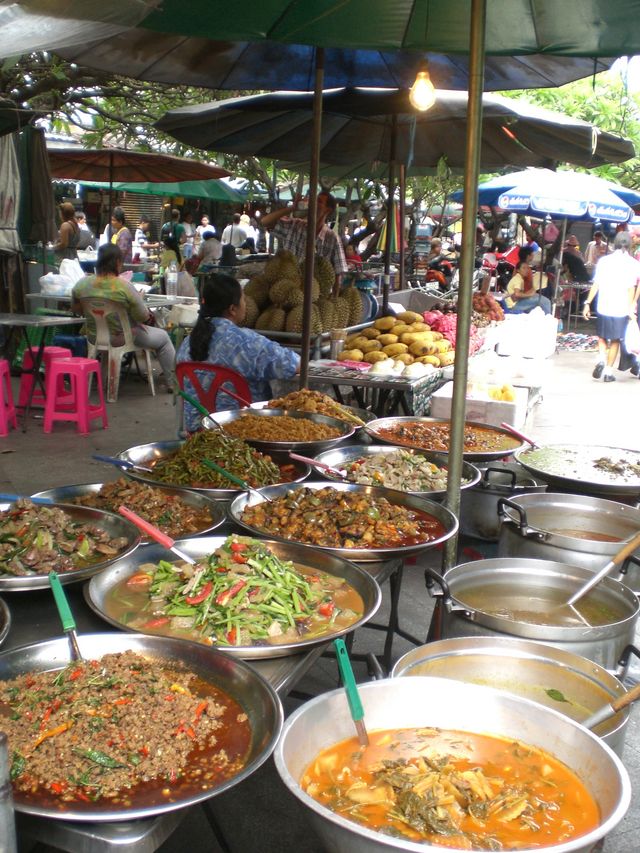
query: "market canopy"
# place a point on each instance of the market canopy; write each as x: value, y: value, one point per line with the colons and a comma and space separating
x: 357, y: 130
x: 210, y: 64
x: 212, y: 190
x: 115, y: 164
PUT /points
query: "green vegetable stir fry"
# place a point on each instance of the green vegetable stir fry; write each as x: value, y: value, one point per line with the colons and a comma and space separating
x: 241, y: 595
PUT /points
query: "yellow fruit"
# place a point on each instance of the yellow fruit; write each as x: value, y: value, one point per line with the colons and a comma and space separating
x: 351, y: 355
x: 422, y: 348
x: 370, y: 333
x: 420, y: 327
x: 395, y: 349
x: 443, y: 346
x: 385, y: 323
x: 385, y: 340
x: 429, y: 359
x: 412, y: 337
x: 409, y: 317
x: 447, y: 358
x: 375, y: 355
x: 360, y: 342
x: 370, y: 346
x: 404, y: 357
x: 399, y: 328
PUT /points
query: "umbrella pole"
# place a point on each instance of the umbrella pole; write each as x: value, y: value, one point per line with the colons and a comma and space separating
x: 390, y: 214
x: 467, y: 263
x: 314, y: 174
x: 556, y: 282
x: 402, y: 203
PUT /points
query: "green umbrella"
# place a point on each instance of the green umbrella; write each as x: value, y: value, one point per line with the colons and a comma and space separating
x: 212, y: 190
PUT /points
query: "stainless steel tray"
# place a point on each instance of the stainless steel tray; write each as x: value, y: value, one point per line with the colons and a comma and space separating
x: 147, y: 454
x: 364, y: 414
x: 569, y: 467
x: 5, y: 621
x: 358, y: 555
x: 234, y: 677
x: 471, y: 456
x: 115, y: 525
x: 340, y: 456
x: 98, y: 589
x: 67, y: 494
x: 307, y: 447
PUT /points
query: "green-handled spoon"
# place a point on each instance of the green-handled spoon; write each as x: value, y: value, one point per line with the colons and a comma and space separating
x: 203, y: 411
x: 66, y: 616
x: 233, y: 479
x: 351, y: 689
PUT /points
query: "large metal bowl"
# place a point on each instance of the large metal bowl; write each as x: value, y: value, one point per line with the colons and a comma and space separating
x: 569, y: 467
x: 217, y: 515
x: 471, y: 456
x: 364, y: 414
x: 341, y: 456
x: 443, y: 703
x: 346, y: 430
x: 148, y: 454
x: 358, y: 555
x: 97, y: 591
x: 568, y: 683
x: 5, y: 621
x: 234, y: 677
x: 115, y: 525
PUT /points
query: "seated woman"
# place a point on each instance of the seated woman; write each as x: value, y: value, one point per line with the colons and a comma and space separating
x: 171, y: 252
x: 218, y: 339
x: 210, y: 250
x: 439, y: 268
x: 522, y: 292
x: 107, y: 284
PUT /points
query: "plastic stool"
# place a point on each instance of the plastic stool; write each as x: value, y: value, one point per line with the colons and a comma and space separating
x: 74, y: 406
x: 28, y: 380
x: 7, y: 409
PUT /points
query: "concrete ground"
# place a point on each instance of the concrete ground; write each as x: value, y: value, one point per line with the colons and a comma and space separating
x: 259, y: 816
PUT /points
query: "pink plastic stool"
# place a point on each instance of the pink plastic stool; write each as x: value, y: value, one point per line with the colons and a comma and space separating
x: 74, y: 406
x: 28, y: 380
x: 7, y: 409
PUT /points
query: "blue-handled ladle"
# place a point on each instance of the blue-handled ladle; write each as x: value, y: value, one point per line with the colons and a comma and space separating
x: 123, y: 464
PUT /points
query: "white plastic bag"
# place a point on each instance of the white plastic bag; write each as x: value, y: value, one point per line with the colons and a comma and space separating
x: 53, y: 284
x: 632, y: 337
x: 71, y: 269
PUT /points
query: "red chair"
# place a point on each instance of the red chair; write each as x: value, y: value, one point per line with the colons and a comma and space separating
x: 222, y: 376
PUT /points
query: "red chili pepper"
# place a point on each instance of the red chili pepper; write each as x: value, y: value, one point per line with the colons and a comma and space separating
x: 24, y: 529
x: 169, y: 698
x: 199, y: 597
x: 202, y: 707
x: 238, y: 547
x: 232, y: 636
x: 124, y: 700
x: 224, y: 597
x: 29, y: 682
x: 58, y: 787
x: 144, y: 750
x: 156, y: 622
x: 75, y: 675
x: 45, y: 718
x: 327, y: 608
x: 82, y: 796
x: 238, y: 558
x: 139, y: 579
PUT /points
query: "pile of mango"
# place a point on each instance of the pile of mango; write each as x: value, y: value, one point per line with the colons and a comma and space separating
x: 405, y: 338
x: 502, y: 392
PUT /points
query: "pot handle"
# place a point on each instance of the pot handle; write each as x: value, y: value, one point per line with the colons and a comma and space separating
x: 522, y: 515
x: 433, y: 579
x: 486, y: 479
x: 624, y: 568
x: 623, y: 662
x: 375, y: 671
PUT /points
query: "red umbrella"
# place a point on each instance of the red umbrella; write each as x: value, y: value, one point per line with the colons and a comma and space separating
x: 114, y: 164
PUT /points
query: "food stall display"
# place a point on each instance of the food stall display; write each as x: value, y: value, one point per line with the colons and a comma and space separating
x: 317, y: 403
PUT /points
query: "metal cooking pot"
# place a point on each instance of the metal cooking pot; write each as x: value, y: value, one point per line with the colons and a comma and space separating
x: 419, y: 702
x: 479, y: 504
x: 531, y: 526
x: 514, y: 582
x: 553, y: 677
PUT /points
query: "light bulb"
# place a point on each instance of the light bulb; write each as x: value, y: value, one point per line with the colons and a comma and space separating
x: 422, y: 94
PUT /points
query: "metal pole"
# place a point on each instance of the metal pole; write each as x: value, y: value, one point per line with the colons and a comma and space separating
x: 558, y: 270
x: 467, y: 263
x: 390, y: 213
x: 403, y: 192
x: 8, y: 842
x: 314, y: 174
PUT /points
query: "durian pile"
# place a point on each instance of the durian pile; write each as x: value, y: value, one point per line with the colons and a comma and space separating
x: 403, y: 339
x: 274, y: 298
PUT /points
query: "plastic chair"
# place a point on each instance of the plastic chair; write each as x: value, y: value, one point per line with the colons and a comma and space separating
x: 100, y: 310
x: 7, y: 409
x: 220, y: 376
x: 74, y: 406
x: 28, y: 380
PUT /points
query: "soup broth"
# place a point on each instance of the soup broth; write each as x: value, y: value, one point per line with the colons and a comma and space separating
x: 453, y: 788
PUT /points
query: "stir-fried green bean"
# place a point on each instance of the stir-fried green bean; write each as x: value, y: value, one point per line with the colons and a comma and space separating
x: 185, y: 466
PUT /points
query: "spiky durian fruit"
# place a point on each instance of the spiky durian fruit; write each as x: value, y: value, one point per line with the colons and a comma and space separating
x: 252, y: 312
x: 340, y: 312
x: 325, y: 307
x: 278, y: 290
x: 272, y: 319
x: 258, y: 289
x: 324, y: 274
x: 294, y: 319
x: 354, y: 300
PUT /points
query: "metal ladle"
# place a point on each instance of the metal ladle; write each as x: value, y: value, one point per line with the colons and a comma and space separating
x: 628, y: 548
x: 612, y: 708
x: 66, y: 616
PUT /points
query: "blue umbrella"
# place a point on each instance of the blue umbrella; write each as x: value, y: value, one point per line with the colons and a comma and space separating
x: 569, y: 195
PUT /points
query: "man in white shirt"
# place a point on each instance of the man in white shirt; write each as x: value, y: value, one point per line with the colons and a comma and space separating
x: 235, y: 233
x: 616, y: 279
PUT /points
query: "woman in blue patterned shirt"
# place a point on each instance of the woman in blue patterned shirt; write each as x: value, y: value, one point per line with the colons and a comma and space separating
x: 217, y: 338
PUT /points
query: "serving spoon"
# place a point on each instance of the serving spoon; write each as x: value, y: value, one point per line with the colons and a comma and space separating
x: 519, y: 435
x: 233, y: 479
x: 314, y: 463
x: 123, y: 464
x: 152, y: 531
x: 628, y: 548
x: 6, y: 497
x: 351, y: 689
x: 612, y: 708
x: 66, y: 616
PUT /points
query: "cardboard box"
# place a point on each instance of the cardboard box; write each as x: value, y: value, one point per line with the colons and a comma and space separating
x: 485, y: 411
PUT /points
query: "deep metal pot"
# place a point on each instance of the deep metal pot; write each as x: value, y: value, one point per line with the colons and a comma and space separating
x: 531, y: 524
x: 419, y: 702
x: 479, y: 505
x: 512, y: 579
x: 558, y: 679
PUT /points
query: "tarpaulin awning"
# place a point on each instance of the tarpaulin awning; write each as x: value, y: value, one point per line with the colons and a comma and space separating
x: 116, y: 164
x: 212, y: 190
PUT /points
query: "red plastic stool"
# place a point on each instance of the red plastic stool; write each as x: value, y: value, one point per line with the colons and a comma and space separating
x: 7, y: 409
x: 74, y: 406
x: 28, y: 380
